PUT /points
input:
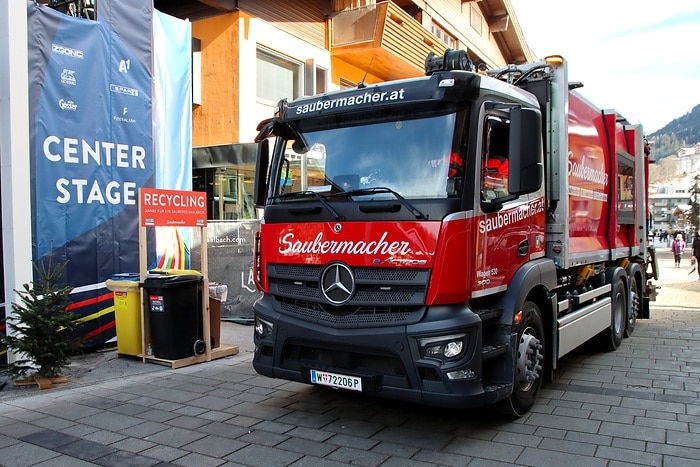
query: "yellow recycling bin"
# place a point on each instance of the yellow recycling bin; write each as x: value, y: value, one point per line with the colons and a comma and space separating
x: 127, y: 312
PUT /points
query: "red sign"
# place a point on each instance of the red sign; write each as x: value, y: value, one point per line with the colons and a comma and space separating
x: 173, y: 208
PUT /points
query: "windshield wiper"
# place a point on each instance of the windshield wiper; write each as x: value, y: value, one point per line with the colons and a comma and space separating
x: 384, y: 189
x: 304, y: 194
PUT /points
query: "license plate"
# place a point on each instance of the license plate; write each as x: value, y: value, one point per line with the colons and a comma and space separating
x: 334, y: 380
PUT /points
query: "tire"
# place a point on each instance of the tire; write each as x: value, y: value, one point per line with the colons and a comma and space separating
x: 611, y: 338
x: 199, y: 347
x: 633, y: 309
x: 529, y: 363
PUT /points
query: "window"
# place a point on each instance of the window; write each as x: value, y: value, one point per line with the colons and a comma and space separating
x: 440, y: 32
x: 494, y: 160
x: 625, y: 189
x: 476, y: 19
x: 314, y: 78
x: 277, y: 77
x: 415, y: 157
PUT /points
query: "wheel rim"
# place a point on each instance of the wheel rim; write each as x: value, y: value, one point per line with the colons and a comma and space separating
x: 634, y: 308
x: 529, y: 359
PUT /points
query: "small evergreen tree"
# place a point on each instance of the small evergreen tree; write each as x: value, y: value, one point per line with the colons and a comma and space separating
x: 41, y: 329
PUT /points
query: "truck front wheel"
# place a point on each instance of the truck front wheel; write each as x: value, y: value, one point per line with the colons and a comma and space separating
x: 528, y: 362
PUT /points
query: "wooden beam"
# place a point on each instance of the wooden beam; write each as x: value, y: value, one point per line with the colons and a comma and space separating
x: 499, y: 23
x: 223, y: 5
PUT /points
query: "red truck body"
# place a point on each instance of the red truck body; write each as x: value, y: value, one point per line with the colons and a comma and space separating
x: 396, y: 260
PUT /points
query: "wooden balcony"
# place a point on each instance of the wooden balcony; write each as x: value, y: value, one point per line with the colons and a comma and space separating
x: 385, y: 35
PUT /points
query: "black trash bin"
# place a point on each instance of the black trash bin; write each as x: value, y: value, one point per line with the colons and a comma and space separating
x: 174, y: 309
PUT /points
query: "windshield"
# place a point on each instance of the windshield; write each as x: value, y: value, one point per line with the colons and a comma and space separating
x: 412, y: 158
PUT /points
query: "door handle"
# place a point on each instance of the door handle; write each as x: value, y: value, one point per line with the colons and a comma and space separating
x: 523, y: 248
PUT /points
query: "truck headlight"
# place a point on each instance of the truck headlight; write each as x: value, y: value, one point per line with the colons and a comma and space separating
x: 444, y: 347
x: 263, y: 328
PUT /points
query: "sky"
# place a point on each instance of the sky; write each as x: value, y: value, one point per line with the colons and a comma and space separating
x: 639, y: 57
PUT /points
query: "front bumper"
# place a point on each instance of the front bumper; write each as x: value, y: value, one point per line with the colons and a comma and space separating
x: 390, y: 359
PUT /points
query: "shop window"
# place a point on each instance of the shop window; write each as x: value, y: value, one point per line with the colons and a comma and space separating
x: 229, y: 191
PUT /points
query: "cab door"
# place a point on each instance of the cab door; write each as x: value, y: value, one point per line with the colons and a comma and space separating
x: 504, y: 240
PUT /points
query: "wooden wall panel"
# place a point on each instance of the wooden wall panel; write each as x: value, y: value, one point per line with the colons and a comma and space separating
x: 306, y: 20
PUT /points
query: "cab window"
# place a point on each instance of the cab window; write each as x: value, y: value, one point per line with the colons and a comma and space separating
x: 494, y: 158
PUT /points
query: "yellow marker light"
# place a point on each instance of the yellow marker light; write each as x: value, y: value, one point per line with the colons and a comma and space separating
x: 554, y: 60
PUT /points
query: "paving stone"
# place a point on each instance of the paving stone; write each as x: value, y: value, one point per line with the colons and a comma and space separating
x: 263, y: 456
x: 26, y: 454
x: 628, y: 455
x: 354, y: 456
x: 543, y: 457
x: 565, y: 423
x: 442, y: 458
x: 200, y: 460
x: 307, y: 447
x: 215, y: 446
x: 484, y: 449
x: 126, y: 459
x: 176, y: 437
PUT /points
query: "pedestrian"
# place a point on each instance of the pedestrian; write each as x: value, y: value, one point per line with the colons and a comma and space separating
x: 677, y: 248
x: 696, y: 253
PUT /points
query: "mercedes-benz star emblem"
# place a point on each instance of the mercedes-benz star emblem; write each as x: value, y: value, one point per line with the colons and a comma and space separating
x: 337, y: 283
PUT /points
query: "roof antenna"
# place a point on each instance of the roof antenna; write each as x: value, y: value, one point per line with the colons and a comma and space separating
x: 362, y: 83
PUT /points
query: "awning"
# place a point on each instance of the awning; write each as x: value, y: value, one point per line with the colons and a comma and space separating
x: 224, y: 155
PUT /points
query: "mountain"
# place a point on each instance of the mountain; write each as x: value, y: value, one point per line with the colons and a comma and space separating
x: 681, y: 132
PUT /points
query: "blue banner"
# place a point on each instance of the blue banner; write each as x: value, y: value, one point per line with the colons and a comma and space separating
x: 91, y: 143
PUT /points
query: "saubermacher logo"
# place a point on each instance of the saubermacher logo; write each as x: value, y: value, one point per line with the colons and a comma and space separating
x: 337, y: 283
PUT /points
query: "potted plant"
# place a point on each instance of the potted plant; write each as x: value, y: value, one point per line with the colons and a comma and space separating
x: 41, y: 329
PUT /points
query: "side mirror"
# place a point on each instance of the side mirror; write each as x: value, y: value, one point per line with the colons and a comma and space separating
x: 261, y: 167
x: 526, y: 170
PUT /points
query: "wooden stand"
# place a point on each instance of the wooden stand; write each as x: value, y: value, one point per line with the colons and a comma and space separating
x: 209, y: 354
x: 43, y: 383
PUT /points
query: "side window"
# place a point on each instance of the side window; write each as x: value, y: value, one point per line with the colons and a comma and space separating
x: 494, y: 159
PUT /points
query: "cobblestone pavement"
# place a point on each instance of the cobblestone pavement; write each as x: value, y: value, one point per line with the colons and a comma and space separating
x: 636, y: 406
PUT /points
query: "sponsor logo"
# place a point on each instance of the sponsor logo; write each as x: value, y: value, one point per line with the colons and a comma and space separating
x: 67, y: 105
x: 119, y: 118
x: 67, y: 51
x: 124, y: 66
x: 123, y: 90
x: 123, y: 118
x: 68, y: 77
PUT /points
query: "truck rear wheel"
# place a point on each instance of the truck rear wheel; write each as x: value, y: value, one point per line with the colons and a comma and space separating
x: 611, y: 338
x: 528, y: 362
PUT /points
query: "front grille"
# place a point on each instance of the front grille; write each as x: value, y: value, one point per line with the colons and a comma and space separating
x: 382, y: 295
